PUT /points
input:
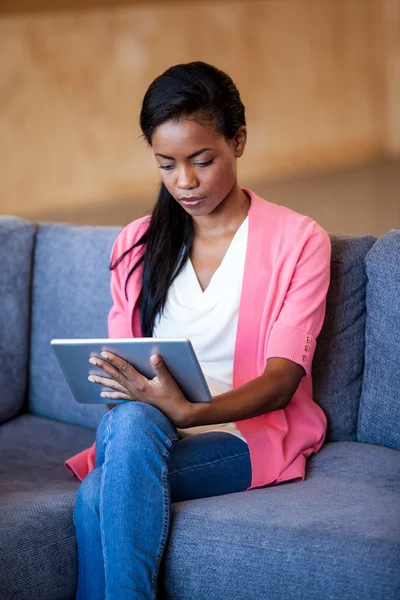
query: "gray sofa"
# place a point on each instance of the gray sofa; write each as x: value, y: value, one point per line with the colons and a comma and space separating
x: 335, y: 535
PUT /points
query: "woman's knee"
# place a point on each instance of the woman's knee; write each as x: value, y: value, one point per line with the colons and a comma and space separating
x: 123, y: 419
x: 140, y: 416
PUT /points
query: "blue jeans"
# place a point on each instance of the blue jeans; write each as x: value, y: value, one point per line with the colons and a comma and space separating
x: 122, y: 513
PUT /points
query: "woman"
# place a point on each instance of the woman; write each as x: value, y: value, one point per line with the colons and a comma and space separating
x: 246, y: 281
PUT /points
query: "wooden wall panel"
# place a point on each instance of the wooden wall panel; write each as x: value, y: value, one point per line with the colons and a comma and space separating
x: 311, y: 74
x: 391, y: 52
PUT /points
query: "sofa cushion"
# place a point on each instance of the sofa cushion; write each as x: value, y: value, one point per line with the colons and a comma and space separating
x: 379, y: 416
x: 339, y: 357
x: 335, y: 535
x: 71, y: 299
x: 37, y: 496
x: 16, y: 241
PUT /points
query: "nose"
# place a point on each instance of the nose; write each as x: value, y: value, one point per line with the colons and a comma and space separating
x: 187, y: 179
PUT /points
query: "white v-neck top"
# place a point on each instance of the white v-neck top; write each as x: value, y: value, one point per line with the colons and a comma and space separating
x: 209, y: 319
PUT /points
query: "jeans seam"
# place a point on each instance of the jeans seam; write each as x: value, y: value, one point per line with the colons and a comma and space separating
x: 211, y: 462
x: 166, y: 517
x: 106, y: 451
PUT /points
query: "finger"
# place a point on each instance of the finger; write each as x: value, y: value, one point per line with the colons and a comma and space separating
x: 109, y: 369
x: 160, y: 369
x: 107, y: 382
x: 119, y: 363
x: 116, y: 396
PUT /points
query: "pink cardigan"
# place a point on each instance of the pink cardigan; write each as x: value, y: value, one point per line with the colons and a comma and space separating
x: 282, y: 308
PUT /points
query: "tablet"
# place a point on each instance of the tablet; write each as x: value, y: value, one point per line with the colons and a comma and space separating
x: 177, y: 353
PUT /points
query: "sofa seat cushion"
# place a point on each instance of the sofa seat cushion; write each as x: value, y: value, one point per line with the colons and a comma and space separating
x: 335, y: 535
x: 37, y: 497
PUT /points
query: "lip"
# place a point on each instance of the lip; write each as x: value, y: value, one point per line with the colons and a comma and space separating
x: 192, y: 201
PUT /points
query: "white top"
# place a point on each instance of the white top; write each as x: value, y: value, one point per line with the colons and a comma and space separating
x: 209, y: 319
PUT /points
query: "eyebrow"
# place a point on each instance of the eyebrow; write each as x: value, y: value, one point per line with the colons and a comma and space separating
x: 197, y: 153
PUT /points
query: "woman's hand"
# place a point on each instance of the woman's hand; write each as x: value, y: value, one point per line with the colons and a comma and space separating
x: 162, y: 392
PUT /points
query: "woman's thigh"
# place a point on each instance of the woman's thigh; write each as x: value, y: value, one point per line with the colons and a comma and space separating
x: 208, y: 464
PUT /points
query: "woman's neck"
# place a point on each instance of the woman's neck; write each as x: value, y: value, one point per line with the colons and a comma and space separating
x: 226, y: 218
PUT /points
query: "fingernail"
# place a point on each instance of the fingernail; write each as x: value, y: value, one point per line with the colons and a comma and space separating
x: 91, y: 379
x: 103, y: 395
x: 155, y: 360
x: 104, y: 354
x: 93, y: 361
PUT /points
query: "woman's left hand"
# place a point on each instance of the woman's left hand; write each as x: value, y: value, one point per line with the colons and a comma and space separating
x: 162, y: 392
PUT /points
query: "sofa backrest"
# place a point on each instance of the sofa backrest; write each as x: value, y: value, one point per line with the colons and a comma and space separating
x: 379, y: 416
x: 339, y: 357
x: 70, y: 299
x: 16, y: 241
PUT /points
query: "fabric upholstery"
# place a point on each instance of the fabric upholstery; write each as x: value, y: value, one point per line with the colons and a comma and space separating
x: 16, y: 240
x: 339, y: 357
x: 335, y: 535
x: 71, y: 299
x: 37, y: 496
x: 379, y: 417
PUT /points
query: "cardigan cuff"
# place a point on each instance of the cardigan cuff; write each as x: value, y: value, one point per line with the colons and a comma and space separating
x: 81, y: 464
x: 294, y: 344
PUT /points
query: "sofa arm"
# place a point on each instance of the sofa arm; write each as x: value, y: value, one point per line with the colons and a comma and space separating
x: 16, y: 246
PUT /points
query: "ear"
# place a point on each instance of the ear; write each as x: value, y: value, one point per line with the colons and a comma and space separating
x: 239, y: 141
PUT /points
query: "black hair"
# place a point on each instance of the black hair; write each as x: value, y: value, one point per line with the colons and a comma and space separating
x: 183, y: 90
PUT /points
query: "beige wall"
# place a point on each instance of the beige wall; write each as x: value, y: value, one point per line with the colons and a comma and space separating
x: 320, y: 80
x: 391, y: 51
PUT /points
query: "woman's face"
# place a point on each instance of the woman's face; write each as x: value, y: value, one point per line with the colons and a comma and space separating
x: 197, y: 165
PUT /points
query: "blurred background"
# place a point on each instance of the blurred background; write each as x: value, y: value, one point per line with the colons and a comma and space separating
x: 320, y: 80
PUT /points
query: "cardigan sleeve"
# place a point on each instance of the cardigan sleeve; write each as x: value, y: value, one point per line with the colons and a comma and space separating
x: 120, y: 317
x: 118, y: 321
x: 293, y: 335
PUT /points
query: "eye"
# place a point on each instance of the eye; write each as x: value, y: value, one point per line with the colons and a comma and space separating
x: 204, y: 164
x: 166, y: 167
